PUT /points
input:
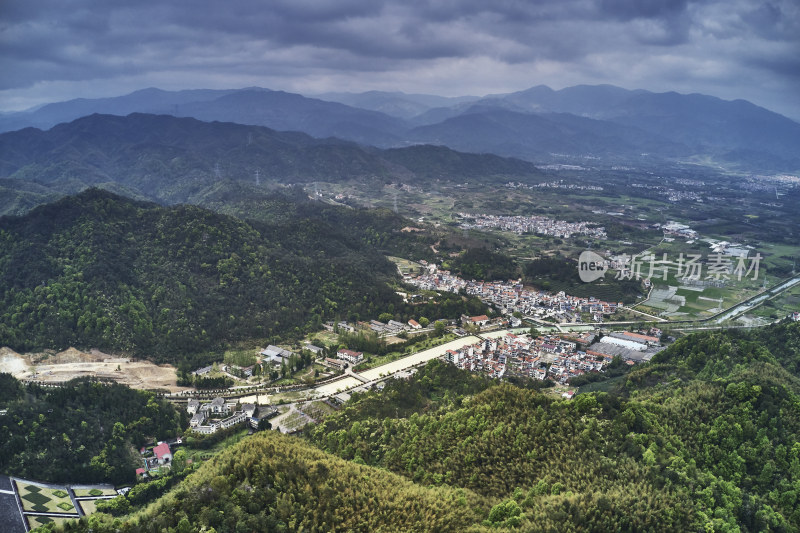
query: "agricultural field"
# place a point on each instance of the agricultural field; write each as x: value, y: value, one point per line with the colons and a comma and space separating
x: 317, y: 410
x: 778, y: 307
x: 405, y: 266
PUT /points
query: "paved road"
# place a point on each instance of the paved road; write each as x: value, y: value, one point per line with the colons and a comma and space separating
x: 337, y: 386
x: 417, y: 358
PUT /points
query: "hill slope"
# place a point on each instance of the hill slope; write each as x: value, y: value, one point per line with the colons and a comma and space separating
x: 271, y: 482
x: 174, y: 159
x: 99, y: 270
x: 705, y: 439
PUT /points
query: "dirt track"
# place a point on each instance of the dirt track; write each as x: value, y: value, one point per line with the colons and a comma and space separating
x: 73, y: 363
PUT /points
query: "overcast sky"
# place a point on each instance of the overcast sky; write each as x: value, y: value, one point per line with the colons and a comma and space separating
x: 54, y: 50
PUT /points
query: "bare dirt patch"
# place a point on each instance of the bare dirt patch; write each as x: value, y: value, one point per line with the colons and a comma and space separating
x: 11, y: 362
x: 73, y: 363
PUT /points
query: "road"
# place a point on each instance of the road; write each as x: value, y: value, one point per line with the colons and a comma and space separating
x: 747, y: 305
x: 416, y: 359
x: 374, y: 375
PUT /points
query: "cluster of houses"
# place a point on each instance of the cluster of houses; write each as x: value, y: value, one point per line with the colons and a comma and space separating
x: 510, y: 297
x: 558, y: 357
x: 556, y: 184
x: 218, y: 414
x: 392, y: 327
x: 533, y: 224
x: 678, y: 230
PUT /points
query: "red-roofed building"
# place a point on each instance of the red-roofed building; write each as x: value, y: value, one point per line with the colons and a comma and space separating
x: 641, y: 338
x: 480, y: 320
x: 162, y: 453
x: 350, y: 356
x: 414, y: 324
x: 140, y: 471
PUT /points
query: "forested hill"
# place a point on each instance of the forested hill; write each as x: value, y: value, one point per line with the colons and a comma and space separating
x: 99, y: 270
x: 174, y: 160
x: 705, y: 439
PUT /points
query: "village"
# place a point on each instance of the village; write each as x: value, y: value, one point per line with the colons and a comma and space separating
x: 559, y: 357
x: 511, y: 297
x: 532, y: 224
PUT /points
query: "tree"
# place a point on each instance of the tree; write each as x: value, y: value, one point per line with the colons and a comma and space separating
x: 440, y: 327
x: 423, y: 321
x: 179, y: 461
x: 264, y: 424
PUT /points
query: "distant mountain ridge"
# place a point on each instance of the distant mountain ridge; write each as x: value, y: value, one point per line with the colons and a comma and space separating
x: 173, y: 160
x: 601, y: 121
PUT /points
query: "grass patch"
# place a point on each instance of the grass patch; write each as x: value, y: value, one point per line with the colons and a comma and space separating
x: 88, y: 506
x: 601, y: 386
x: 203, y: 455
x: 42, y: 499
x: 240, y: 357
x: 94, y: 492
x: 38, y: 521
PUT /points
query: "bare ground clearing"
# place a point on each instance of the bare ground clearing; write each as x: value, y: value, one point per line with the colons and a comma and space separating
x: 73, y: 363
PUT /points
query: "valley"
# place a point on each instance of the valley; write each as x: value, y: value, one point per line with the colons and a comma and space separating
x: 400, y: 313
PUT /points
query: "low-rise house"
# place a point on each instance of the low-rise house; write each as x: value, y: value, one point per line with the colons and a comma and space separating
x: 234, y: 419
x: 192, y: 406
x: 396, y: 326
x: 217, y: 406
x: 207, y: 430
x: 202, y: 371
x: 350, y: 356
x: 316, y: 350
x: 414, y: 324
x: 334, y: 363
x: 162, y: 453
x: 249, y: 409
x: 275, y: 355
x: 197, y: 419
x: 480, y: 320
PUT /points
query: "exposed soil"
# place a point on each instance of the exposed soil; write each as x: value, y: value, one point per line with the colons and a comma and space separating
x: 73, y: 363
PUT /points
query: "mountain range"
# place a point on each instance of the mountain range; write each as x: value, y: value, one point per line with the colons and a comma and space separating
x: 173, y: 160
x: 537, y: 124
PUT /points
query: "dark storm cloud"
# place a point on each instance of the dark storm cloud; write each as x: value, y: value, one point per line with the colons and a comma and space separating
x: 632, y: 9
x: 412, y: 45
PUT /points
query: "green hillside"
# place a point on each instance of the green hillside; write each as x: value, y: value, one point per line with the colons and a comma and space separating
x: 270, y: 482
x: 705, y: 439
x: 82, y: 432
x: 99, y: 270
x: 175, y: 160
